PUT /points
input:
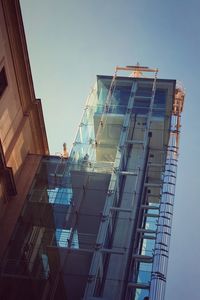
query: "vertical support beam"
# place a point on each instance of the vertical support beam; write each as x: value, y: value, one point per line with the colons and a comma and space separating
x: 160, y: 263
x: 161, y: 254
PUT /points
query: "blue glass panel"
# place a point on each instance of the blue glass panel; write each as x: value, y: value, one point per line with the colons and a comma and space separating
x: 118, y: 100
x: 84, y: 133
x: 140, y: 111
x: 158, y: 112
x: 142, y: 102
x: 141, y: 294
x: 112, y: 109
x: 99, y: 109
x: 103, y: 93
x: 121, y: 95
x: 144, y: 273
x: 142, y: 91
x: 160, y: 99
x: 62, y: 238
x: 151, y: 223
x: 144, y: 276
x: 145, y: 266
x: 148, y: 247
x: 117, y: 109
x: 60, y: 195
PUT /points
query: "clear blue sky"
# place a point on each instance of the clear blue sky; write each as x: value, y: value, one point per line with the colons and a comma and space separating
x: 70, y: 42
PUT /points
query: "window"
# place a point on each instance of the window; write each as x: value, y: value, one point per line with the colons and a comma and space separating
x: 3, y: 81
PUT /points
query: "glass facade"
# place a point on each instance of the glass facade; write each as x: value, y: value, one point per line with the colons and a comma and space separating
x: 54, y: 244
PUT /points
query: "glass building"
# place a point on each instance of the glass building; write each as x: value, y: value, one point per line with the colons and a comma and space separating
x: 97, y: 225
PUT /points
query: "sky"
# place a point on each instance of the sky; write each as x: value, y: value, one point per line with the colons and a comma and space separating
x: 70, y: 42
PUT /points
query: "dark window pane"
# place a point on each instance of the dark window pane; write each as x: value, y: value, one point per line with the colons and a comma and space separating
x: 142, y: 102
x: 143, y: 99
x: 3, y: 81
x: 160, y: 99
x: 143, y: 91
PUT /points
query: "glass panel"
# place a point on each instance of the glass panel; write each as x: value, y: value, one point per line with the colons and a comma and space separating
x: 60, y: 195
x: 151, y: 223
x: 144, y: 91
x: 144, y: 273
x: 143, y: 99
x: 141, y: 294
x: 147, y: 247
x: 119, y: 98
